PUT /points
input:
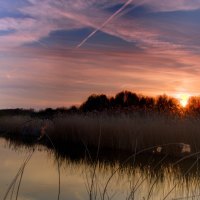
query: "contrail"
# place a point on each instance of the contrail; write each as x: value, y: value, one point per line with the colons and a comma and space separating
x: 105, y: 23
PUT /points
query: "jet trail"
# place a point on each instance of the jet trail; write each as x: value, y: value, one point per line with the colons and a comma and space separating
x: 104, y: 24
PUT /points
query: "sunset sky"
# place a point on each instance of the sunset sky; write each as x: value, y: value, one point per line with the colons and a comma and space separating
x: 56, y: 53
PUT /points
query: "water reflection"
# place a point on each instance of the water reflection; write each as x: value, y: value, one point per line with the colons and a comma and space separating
x: 143, y: 177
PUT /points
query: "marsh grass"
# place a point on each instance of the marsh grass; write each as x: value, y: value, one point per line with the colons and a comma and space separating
x: 94, y: 133
x: 19, y: 176
x: 151, y: 175
x: 118, y: 132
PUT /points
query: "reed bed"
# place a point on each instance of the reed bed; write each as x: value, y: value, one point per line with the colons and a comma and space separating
x: 116, y: 132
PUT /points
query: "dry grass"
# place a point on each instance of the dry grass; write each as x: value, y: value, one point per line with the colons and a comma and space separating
x: 119, y: 132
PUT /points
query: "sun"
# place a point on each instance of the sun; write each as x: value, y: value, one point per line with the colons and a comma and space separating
x: 183, y: 99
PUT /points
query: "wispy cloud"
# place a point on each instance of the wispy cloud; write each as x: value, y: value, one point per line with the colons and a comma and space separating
x: 72, y: 76
x: 153, y: 48
x: 48, y: 16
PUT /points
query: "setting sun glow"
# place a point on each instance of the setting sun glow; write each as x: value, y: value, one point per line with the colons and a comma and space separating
x: 183, y: 98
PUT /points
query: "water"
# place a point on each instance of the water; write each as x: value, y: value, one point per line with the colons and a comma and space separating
x: 40, y: 178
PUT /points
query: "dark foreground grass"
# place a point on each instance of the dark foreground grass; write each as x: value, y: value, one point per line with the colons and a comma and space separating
x: 116, y: 132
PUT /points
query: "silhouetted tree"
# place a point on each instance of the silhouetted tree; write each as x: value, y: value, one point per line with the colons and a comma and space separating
x: 194, y: 105
x: 47, y: 113
x: 61, y: 110
x: 95, y: 102
x: 16, y: 111
x: 167, y: 104
x: 131, y: 99
x: 72, y: 109
x: 125, y: 99
x: 119, y: 99
x: 112, y: 102
x: 147, y: 102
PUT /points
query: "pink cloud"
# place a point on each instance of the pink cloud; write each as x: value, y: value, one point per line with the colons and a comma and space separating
x: 44, y: 78
x: 62, y: 76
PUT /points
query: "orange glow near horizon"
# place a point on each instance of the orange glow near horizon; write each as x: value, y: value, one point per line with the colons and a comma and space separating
x: 183, y: 98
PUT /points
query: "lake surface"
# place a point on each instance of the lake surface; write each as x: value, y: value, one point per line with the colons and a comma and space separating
x: 145, y: 177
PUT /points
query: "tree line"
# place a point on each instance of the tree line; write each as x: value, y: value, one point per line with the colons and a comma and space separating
x: 129, y: 101
x: 124, y: 101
